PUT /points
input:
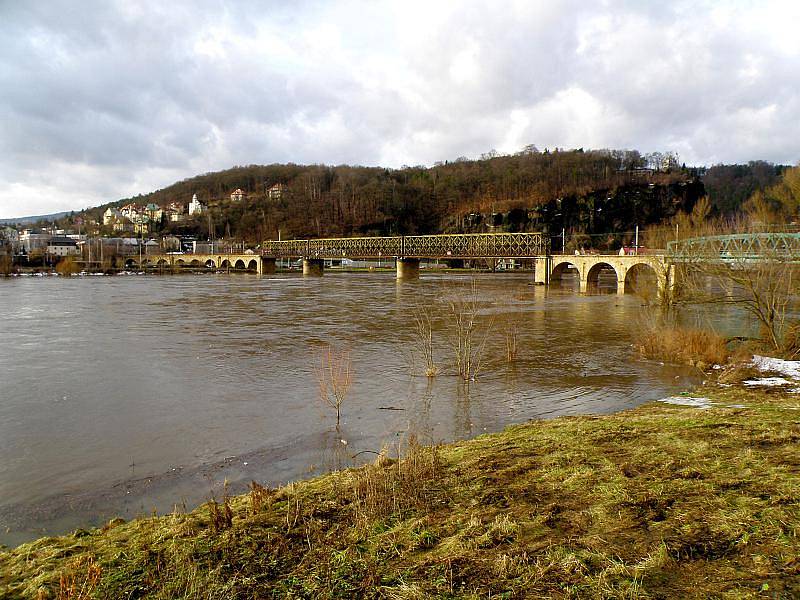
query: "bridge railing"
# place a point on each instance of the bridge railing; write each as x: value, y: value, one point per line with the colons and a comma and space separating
x: 472, y: 245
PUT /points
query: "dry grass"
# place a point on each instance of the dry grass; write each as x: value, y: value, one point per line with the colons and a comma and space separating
x: 388, y: 486
x: 683, y: 345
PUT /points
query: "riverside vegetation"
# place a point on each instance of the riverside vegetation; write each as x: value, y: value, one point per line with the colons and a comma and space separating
x: 662, y: 501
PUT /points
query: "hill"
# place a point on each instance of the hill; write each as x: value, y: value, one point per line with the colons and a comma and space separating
x: 591, y: 195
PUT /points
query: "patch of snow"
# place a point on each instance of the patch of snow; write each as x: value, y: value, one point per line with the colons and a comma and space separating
x: 767, y: 381
x: 694, y: 401
x: 789, y: 368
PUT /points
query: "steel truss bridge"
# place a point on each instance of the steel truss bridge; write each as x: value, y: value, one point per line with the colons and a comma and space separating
x: 467, y: 245
x: 739, y: 246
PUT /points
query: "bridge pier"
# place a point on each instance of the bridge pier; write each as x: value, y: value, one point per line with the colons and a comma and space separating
x: 267, y: 265
x: 313, y: 267
x: 407, y: 268
x: 542, y: 265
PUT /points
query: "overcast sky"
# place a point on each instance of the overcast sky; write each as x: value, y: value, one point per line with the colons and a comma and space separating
x: 100, y: 101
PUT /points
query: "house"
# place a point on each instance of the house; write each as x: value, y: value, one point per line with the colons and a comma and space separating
x: 153, y: 212
x: 237, y: 195
x: 131, y: 211
x: 196, y: 207
x: 141, y: 224
x: 276, y: 192
x: 111, y: 216
x: 175, y: 213
x: 62, y: 246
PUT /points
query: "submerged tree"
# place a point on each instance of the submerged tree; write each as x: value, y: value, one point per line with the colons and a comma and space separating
x: 334, y: 376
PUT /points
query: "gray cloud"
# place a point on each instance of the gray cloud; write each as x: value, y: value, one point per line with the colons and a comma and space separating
x: 102, y: 100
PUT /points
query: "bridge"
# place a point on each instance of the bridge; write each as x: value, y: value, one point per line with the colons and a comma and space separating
x: 232, y: 262
x: 738, y: 246
x: 408, y: 251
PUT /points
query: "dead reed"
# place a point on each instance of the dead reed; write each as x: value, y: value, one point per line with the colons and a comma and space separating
x: 220, y: 514
x: 79, y: 580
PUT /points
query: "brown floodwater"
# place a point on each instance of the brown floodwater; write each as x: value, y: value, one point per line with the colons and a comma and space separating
x: 120, y: 396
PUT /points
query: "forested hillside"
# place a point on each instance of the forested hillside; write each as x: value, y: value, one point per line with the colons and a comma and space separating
x: 589, y: 193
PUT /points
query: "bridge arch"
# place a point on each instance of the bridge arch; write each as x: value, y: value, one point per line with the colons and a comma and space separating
x: 641, y: 278
x: 210, y: 264
x: 239, y: 265
x: 563, y: 273
x: 180, y: 262
x: 195, y: 263
x: 130, y: 263
x: 603, y: 268
x: 252, y: 265
x: 162, y: 262
x: 226, y: 264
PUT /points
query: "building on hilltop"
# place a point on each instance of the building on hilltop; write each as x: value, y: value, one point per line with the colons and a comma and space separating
x: 276, y: 192
x: 196, y: 207
x: 237, y: 195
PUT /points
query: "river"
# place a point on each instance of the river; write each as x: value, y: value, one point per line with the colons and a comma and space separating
x: 132, y: 394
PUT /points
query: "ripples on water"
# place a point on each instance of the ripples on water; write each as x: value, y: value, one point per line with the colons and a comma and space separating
x: 124, y: 394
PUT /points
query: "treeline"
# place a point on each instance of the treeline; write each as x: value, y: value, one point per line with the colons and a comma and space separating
x: 595, y: 193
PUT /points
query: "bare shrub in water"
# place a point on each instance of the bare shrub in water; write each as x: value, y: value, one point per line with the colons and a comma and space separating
x: 423, y: 338
x: 334, y: 375
x: 467, y: 344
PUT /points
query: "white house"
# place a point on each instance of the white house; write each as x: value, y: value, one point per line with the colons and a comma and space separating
x: 196, y: 207
x: 62, y: 246
x: 237, y: 195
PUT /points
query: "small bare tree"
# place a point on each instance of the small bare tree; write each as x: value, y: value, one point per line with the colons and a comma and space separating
x: 334, y: 375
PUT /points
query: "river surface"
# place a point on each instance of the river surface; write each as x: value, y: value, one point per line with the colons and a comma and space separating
x: 129, y: 394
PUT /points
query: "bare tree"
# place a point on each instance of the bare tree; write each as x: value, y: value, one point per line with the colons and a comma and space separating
x: 334, y: 375
x: 752, y: 268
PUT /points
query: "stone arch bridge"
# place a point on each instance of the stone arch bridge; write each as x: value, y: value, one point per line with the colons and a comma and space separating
x: 630, y: 271
x: 227, y: 262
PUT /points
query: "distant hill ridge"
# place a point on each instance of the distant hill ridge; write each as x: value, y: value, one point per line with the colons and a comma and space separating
x: 34, y: 218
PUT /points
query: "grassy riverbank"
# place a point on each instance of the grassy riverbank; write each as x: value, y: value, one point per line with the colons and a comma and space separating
x: 662, y: 501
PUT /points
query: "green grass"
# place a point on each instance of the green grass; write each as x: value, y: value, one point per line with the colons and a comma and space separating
x: 657, y: 502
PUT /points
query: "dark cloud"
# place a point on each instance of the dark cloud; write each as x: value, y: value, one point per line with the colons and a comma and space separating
x: 100, y: 100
